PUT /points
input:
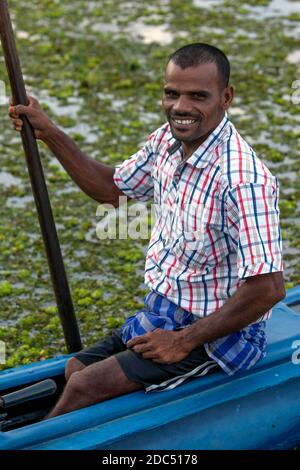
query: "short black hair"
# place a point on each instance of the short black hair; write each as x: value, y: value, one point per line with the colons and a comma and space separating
x: 198, y: 53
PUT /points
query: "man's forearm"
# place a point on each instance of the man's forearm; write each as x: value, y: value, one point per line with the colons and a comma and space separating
x: 246, y: 306
x: 94, y: 178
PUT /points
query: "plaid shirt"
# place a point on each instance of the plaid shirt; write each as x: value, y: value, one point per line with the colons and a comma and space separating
x: 217, y: 223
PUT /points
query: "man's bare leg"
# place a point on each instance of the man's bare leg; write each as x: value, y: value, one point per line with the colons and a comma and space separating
x: 73, y: 365
x: 93, y: 384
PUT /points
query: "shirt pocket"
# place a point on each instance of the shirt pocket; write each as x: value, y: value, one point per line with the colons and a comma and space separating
x: 189, y: 249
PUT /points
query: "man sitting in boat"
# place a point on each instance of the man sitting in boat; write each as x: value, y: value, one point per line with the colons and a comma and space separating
x: 214, y: 262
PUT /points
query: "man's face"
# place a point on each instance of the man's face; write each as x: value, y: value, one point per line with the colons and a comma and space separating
x: 194, y: 101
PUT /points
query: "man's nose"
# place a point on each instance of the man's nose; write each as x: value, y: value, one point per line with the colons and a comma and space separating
x: 182, y: 105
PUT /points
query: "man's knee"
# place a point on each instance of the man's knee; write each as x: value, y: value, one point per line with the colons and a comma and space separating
x: 98, y: 382
x: 76, y: 384
x: 73, y: 365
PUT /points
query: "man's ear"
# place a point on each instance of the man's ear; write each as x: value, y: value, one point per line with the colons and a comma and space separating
x: 228, y: 95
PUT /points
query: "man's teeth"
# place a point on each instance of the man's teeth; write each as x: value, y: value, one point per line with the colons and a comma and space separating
x: 185, y: 121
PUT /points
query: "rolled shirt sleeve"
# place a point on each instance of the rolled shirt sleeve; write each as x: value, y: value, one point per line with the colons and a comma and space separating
x: 134, y: 176
x: 254, y: 227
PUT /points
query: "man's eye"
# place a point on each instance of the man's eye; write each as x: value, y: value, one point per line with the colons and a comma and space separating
x: 170, y: 94
x: 199, y: 96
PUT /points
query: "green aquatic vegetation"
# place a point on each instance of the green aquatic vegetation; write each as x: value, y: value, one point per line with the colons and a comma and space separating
x: 85, y: 302
x: 114, y: 322
x: 294, y: 17
x: 52, y: 310
x: 256, y: 2
x: 88, y: 66
x: 287, y: 208
x: 97, y: 294
x: 5, y: 288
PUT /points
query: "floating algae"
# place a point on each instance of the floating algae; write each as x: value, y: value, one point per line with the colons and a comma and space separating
x: 103, y: 86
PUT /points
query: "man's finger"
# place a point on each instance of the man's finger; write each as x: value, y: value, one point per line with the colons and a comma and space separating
x: 141, y: 348
x: 11, y: 112
x: 151, y: 355
x: 20, y: 109
x: 137, y: 340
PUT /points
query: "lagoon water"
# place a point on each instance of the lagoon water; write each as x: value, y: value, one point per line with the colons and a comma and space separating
x: 97, y: 69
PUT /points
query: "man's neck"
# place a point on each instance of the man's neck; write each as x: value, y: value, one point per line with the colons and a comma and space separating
x: 190, y: 147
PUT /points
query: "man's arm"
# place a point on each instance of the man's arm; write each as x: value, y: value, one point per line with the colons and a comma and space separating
x: 94, y: 178
x: 254, y: 298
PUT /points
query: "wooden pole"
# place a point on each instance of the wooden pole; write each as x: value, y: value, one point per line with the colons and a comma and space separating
x: 39, y: 188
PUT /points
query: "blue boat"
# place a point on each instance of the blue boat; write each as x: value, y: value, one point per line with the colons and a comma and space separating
x: 257, y: 409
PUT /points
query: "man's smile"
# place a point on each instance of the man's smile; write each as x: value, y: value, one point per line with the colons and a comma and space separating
x: 183, y: 123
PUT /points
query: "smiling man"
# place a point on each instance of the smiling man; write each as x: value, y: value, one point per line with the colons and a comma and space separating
x: 213, y: 266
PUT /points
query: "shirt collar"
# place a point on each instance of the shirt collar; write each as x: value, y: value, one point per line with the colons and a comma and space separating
x: 202, y: 155
x: 174, y: 147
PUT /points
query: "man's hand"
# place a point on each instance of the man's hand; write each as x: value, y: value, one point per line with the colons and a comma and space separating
x: 162, y: 346
x: 36, y: 116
